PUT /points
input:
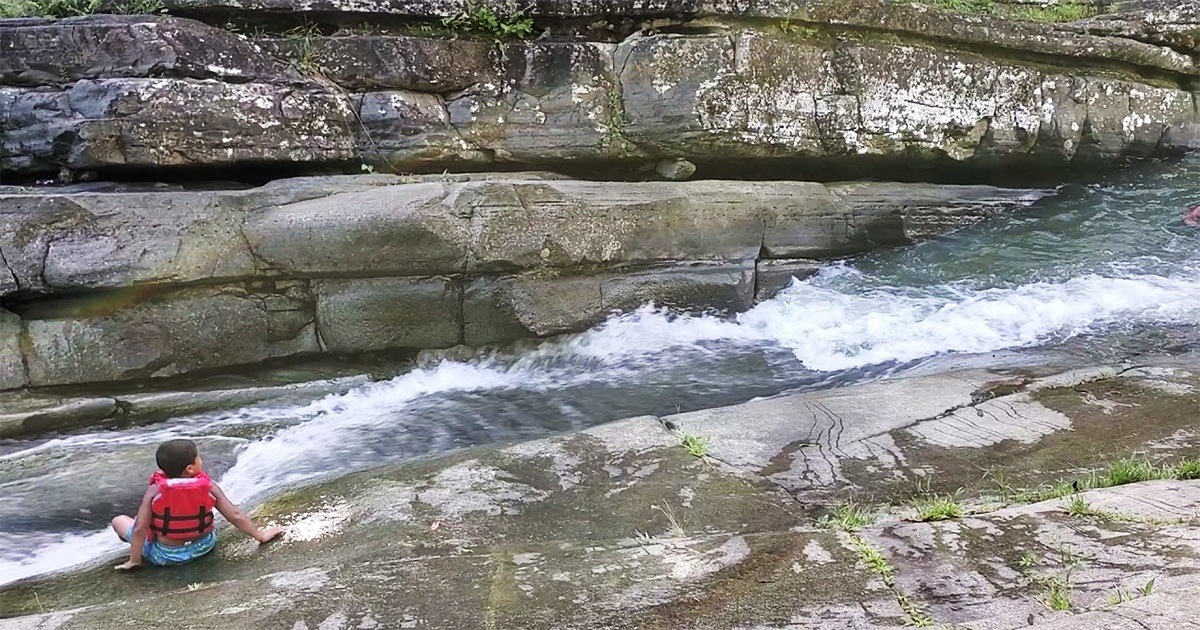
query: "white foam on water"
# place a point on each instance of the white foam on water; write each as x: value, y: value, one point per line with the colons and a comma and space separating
x: 829, y: 329
x: 832, y: 322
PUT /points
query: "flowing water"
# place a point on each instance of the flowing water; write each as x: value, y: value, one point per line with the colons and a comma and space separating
x: 1095, y: 274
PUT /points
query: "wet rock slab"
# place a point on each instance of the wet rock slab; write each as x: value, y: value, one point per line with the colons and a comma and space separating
x: 25, y: 413
x: 619, y: 526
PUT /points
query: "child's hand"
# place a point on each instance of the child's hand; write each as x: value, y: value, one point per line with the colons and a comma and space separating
x: 128, y: 566
x: 268, y: 535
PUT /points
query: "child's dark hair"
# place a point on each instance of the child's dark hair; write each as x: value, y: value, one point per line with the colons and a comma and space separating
x: 175, y: 455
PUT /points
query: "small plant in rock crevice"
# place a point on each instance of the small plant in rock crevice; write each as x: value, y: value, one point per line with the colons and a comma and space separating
x: 937, y: 508
x: 1056, y: 593
x: 879, y: 564
x: 848, y: 517
x: 1055, y: 588
x: 695, y: 445
x: 1079, y: 508
x: 675, y: 525
x: 507, y: 23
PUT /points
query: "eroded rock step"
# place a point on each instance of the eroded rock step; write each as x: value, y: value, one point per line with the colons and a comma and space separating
x: 111, y: 286
x: 619, y: 526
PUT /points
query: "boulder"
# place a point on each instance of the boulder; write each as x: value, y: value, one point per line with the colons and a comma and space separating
x: 675, y: 170
x: 129, y: 334
x: 380, y: 313
x: 67, y: 243
x: 57, y: 52
x: 124, y: 285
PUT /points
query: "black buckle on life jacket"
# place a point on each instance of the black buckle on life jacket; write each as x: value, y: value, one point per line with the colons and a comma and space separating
x: 203, y: 518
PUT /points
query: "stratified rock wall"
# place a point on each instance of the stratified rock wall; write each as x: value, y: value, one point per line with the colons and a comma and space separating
x: 117, y: 285
x: 822, y: 88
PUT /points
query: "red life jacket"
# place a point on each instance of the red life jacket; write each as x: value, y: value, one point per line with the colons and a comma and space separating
x: 183, y: 509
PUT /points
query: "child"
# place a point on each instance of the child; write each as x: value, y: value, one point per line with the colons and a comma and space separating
x: 174, y: 524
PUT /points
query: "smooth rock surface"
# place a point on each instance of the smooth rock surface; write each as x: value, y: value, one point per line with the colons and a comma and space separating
x: 174, y: 333
x: 352, y: 226
x: 376, y: 313
x: 622, y: 518
x: 537, y: 304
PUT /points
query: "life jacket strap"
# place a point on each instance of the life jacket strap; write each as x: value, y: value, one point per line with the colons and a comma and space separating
x: 203, y: 519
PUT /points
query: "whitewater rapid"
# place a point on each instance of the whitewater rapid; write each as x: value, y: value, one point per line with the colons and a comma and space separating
x: 1112, y: 261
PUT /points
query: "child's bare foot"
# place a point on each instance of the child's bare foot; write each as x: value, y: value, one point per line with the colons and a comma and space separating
x: 128, y: 566
x: 268, y: 535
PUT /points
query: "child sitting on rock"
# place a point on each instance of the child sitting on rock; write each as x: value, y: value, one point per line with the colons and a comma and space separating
x: 174, y: 523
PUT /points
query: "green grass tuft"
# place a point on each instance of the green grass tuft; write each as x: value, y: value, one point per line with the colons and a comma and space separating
x: 1079, y: 508
x: 848, y: 517
x: 875, y: 560
x: 695, y: 444
x: 937, y: 508
x: 1056, y: 593
x: 1186, y: 469
x: 1129, y: 470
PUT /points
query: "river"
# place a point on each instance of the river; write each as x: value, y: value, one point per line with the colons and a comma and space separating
x: 1097, y: 274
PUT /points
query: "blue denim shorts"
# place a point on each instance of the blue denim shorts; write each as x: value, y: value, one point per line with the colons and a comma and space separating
x: 165, y: 555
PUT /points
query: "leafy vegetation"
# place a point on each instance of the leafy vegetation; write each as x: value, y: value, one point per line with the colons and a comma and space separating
x: 485, y: 20
x: 1130, y: 470
x: 72, y: 8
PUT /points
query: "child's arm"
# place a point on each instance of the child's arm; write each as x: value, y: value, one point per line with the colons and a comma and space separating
x: 239, y: 519
x: 141, y: 527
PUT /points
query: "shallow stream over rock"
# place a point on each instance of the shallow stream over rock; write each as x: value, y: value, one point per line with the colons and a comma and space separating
x: 1098, y: 273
